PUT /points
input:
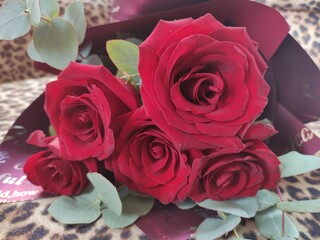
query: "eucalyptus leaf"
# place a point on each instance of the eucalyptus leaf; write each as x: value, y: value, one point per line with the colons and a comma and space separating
x: 33, y: 8
x: 14, y: 19
x: 235, y: 238
x: 124, y: 55
x: 212, y: 228
x: 284, y: 238
x: 243, y: 207
x: 133, y: 207
x: 84, y: 208
x: 74, y: 13
x: 84, y: 50
x: 312, y: 206
x: 49, y: 9
x: 56, y: 42
x: 294, y: 163
x: 107, y: 192
x: 266, y: 199
x: 269, y: 223
x: 32, y: 52
x: 187, y: 204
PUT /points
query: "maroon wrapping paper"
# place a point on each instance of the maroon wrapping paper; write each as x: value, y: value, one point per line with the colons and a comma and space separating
x: 294, y: 97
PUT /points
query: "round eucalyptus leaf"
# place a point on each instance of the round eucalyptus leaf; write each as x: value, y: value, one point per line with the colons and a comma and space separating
x: 212, y: 228
x: 133, y: 206
x: 32, y: 52
x: 243, y: 207
x: 56, y: 42
x: 302, y: 163
x: 33, y: 7
x: 83, y: 208
x: 269, y: 224
x: 49, y: 9
x: 14, y: 19
x: 187, y: 204
x: 66, y: 210
x: 107, y: 192
x: 75, y: 15
x: 266, y: 199
x: 302, y: 206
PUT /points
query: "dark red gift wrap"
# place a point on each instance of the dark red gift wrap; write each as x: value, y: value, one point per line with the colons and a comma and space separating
x: 293, y: 101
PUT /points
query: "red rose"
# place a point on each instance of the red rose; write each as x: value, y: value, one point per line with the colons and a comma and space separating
x: 55, y: 175
x: 223, y: 175
x: 202, y: 82
x: 147, y: 161
x: 82, y: 105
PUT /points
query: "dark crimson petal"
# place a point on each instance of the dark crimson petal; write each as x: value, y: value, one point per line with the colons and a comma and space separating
x: 240, y: 36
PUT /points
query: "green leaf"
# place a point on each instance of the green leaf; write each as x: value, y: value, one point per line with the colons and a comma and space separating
x: 133, y: 207
x: 107, y: 192
x: 84, y: 208
x: 235, y: 238
x: 52, y: 132
x: 56, y: 42
x: 294, y: 163
x: 187, y: 204
x: 49, y: 9
x: 14, y: 20
x: 243, y: 207
x: 266, y: 199
x: 32, y: 52
x: 84, y: 50
x: 312, y: 206
x: 269, y: 223
x: 124, y: 55
x: 212, y: 228
x: 33, y: 8
x: 75, y: 15
x: 284, y: 238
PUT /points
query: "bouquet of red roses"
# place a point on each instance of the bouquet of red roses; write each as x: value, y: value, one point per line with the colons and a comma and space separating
x: 193, y: 134
x: 179, y: 121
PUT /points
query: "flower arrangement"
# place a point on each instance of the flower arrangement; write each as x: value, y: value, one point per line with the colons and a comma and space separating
x: 179, y: 122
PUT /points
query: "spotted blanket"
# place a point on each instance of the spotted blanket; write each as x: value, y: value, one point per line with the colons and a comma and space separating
x: 30, y: 220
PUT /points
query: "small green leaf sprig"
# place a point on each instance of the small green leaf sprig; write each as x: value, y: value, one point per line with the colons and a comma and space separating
x: 55, y: 39
x: 125, y: 56
x: 119, y: 207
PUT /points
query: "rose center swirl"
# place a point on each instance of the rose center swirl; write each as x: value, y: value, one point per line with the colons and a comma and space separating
x: 83, y: 119
x: 157, y: 150
x: 202, y: 88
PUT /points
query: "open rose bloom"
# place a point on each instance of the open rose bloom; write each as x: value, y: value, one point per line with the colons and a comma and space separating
x: 191, y: 135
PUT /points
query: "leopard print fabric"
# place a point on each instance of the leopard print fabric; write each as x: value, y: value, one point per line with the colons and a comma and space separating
x: 303, y: 17
x: 15, y: 63
x: 30, y: 220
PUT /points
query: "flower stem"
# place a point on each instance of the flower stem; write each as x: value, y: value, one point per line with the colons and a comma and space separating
x: 283, y: 217
x: 127, y: 76
x: 234, y: 230
x: 45, y: 19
